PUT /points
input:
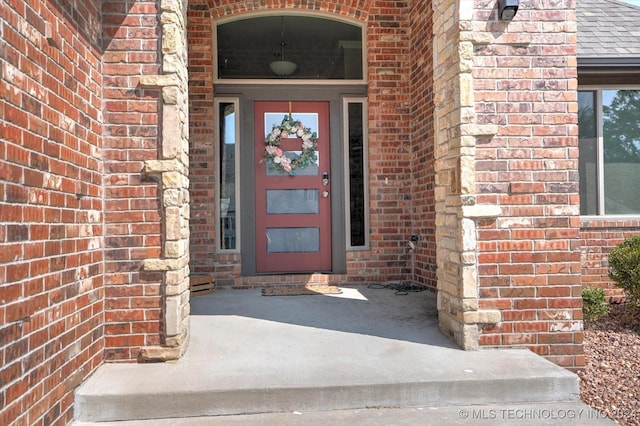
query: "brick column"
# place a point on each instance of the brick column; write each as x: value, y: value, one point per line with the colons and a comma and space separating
x: 507, y: 210
x: 529, y: 259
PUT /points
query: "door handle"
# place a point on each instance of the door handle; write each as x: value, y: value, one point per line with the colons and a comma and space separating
x: 325, y: 178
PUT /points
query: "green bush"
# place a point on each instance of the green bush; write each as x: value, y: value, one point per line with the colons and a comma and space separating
x: 594, y: 303
x: 624, y: 268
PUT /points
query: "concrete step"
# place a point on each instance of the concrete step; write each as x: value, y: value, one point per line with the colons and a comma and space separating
x: 566, y: 414
x: 420, y: 377
x: 298, y: 354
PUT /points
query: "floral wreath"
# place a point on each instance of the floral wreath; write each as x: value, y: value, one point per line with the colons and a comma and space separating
x: 276, y: 158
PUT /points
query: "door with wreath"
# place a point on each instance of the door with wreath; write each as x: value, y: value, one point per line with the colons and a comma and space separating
x: 292, y: 182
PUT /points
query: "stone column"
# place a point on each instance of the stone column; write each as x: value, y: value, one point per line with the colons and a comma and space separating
x: 456, y: 131
x: 173, y: 167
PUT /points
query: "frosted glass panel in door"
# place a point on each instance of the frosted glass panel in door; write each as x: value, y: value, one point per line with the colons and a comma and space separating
x: 292, y: 201
x: 291, y: 240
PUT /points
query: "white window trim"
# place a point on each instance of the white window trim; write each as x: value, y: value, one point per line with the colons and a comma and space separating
x: 600, y: 149
x: 216, y: 156
x: 365, y: 171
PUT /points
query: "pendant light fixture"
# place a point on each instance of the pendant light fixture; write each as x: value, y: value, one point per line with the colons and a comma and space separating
x: 282, y: 67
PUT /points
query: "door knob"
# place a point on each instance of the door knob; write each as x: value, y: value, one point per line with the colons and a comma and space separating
x: 325, y: 178
x: 325, y: 194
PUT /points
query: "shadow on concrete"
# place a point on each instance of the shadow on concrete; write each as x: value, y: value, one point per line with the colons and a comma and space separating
x: 250, y: 353
x: 360, y: 310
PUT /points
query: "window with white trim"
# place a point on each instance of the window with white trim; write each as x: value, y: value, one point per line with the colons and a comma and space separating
x: 609, y: 137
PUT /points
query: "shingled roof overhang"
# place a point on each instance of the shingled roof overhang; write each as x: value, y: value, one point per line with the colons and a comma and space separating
x: 608, y: 42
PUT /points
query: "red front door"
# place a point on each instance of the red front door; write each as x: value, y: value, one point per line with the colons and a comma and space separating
x: 293, y: 207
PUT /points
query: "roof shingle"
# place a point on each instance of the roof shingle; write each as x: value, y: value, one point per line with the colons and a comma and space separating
x: 608, y: 28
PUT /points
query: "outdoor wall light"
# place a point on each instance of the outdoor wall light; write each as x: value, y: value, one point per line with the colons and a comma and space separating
x: 507, y: 9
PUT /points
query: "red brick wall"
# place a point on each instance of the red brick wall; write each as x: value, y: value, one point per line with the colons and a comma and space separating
x: 202, y: 181
x: 51, y: 220
x: 529, y: 260
x: 423, y: 201
x: 598, y: 237
x: 132, y: 205
x: 390, y: 160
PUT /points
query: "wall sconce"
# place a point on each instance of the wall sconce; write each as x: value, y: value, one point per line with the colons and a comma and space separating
x: 507, y: 9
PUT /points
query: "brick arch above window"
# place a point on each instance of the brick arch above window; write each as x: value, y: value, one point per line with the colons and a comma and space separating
x: 358, y: 10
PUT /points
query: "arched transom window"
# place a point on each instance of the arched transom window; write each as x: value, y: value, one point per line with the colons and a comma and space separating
x: 292, y: 47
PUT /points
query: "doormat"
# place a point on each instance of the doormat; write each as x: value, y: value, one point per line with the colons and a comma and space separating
x: 300, y: 290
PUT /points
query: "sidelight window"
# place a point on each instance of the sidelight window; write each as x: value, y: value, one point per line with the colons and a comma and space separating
x: 357, y: 172
x: 227, y: 199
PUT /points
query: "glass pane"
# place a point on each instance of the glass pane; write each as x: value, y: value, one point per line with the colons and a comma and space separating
x: 292, y: 201
x: 621, y: 135
x: 309, y: 120
x: 356, y: 175
x: 312, y: 48
x: 310, y: 170
x: 274, y: 119
x: 588, y: 167
x: 227, y: 150
x: 289, y: 240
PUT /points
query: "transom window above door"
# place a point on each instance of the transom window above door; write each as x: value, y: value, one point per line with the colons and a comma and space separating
x: 292, y: 47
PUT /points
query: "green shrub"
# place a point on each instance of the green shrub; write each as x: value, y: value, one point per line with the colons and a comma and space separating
x: 594, y: 303
x: 624, y: 268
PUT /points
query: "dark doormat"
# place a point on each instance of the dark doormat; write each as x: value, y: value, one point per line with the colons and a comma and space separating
x: 300, y: 290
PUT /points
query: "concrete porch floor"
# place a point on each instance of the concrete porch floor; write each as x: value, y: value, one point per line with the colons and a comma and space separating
x: 328, y: 360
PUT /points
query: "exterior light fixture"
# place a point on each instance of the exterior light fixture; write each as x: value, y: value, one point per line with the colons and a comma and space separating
x: 282, y: 67
x: 507, y: 9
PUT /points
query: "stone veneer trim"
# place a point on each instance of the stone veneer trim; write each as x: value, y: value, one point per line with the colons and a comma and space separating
x: 173, y: 168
